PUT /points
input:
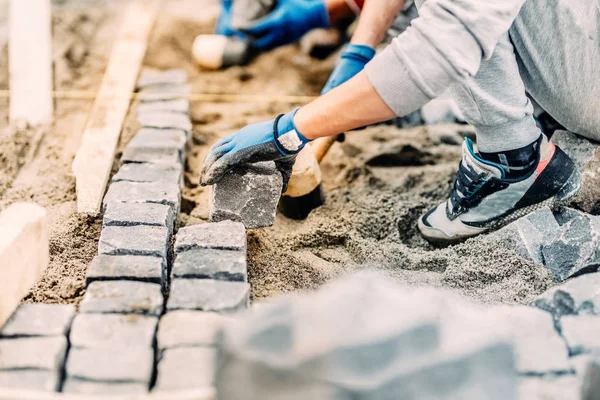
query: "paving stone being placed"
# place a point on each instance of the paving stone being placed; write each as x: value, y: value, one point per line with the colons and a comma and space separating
x: 134, y: 268
x: 80, y: 386
x: 186, y: 368
x: 135, y: 240
x: 181, y: 106
x: 164, y: 92
x: 591, y: 378
x: 226, y: 265
x: 208, y: 295
x: 581, y: 332
x: 157, y: 141
x: 39, y: 319
x: 586, y: 156
x: 155, y: 155
x: 33, y: 353
x: 226, y: 235
x: 104, y: 364
x: 144, y: 192
x: 575, y: 249
x: 249, y: 195
x: 579, y: 295
x: 185, y: 328
x: 123, y: 297
x: 150, y: 77
x: 132, y: 214
x: 30, y: 379
x: 165, y: 120
x: 149, y: 172
x: 113, y: 331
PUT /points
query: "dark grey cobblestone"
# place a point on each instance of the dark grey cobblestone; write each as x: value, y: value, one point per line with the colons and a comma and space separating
x: 165, y: 120
x: 181, y: 106
x: 119, y: 365
x: 155, y: 77
x: 226, y: 235
x: 164, y: 92
x: 30, y: 379
x: 157, y: 155
x: 134, y: 240
x: 149, y: 172
x: 123, y: 297
x: 136, y: 192
x: 136, y: 268
x: 208, y: 295
x: 157, y: 142
x: 227, y: 265
x: 566, y: 214
x: 39, y: 319
x: 113, y: 331
x: 579, y: 295
x: 132, y: 214
x: 185, y: 328
x: 33, y: 353
x: 80, y: 386
x: 186, y: 368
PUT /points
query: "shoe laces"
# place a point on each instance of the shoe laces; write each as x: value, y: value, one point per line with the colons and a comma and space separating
x: 467, y: 183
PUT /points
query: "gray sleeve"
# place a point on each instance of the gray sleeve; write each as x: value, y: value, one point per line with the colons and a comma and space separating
x: 445, y: 44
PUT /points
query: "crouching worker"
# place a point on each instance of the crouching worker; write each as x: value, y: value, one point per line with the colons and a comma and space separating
x: 489, y: 54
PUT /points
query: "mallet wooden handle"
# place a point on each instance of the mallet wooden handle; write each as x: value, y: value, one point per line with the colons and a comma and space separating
x: 322, y: 145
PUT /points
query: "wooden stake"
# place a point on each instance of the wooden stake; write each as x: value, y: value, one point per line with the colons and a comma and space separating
x: 94, y: 159
x: 30, y: 62
x: 24, y: 253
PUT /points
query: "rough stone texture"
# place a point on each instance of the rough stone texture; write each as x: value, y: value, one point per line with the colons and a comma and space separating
x: 526, y: 235
x: 149, y: 172
x: 113, y: 331
x: 124, y: 297
x: 143, y: 192
x: 134, y: 240
x: 301, y: 347
x: 565, y: 387
x: 156, y: 155
x: 248, y: 195
x: 226, y: 235
x: 586, y: 155
x: 135, y: 268
x: 591, y: 378
x: 227, y: 265
x: 131, y: 214
x: 39, y: 320
x: 189, y: 328
x: 581, y: 332
x: 30, y: 379
x: 579, y: 295
x: 175, y: 106
x: 103, y: 364
x: 575, y: 249
x: 186, y: 368
x: 566, y: 214
x: 208, y: 295
x: 33, y: 353
x: 150, y: 77
x: 539, y: 349
x: 80, y: 386
x: 164, y: 92
x: 158, y: 142
x: 164, y: 120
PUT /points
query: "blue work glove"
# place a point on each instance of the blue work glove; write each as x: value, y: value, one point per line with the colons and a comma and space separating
x: 275, y: 140
x: 353, y: 59
x: 288, y: 22
x: 223, y: 26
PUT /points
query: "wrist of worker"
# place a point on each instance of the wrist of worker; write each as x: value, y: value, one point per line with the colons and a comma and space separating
x: 287, y: 136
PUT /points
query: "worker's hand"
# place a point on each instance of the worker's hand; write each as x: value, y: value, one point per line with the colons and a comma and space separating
x: 288, y: 22
x: 275, y: 140
x: 223, y: 26
x: 352, y: 60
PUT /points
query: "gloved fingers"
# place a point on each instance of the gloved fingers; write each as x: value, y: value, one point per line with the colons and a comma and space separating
x: 220, y: 143
x: 215, y: 171
x: 263, y: 26
x: 213, y: 156
x: 285, y: 166
x: 266, y: 42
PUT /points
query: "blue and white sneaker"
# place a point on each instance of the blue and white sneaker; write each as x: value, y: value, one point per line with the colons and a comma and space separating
x: 483, y: 200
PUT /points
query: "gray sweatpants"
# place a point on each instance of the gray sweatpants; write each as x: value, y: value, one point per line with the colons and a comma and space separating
x: 552, y: 52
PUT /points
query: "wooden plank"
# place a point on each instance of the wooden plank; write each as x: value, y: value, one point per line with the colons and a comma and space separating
x: 24, y: 253
x: 94, y: 159
x: 30, y: 62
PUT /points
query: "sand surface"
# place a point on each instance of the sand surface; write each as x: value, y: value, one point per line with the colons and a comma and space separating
x: 377, y: 183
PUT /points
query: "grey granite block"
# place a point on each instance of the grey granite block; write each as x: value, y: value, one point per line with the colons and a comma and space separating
x: 150, y: 172
x: 227, y: 265
x: 135, y: 268
x: 165, y: 120
x: 123, y: 297
x: 30, y: 379
x: 226, y: 235
x: 575, y: 249
x: 157, y: 142
x: 81, y: 386
x: 175, y: 106
x: 185, y: 328
x: 33, y: 353
x: 566, y: 214
x: 134, y: 240
x: 143, y: 192
x: 249, y: 195
x: 103, y: 364
x: 156, y: 155
x: 591, y: 378
x: 579, y: 295
x: 186, y: 368
x: 164, y: 92
x: 208, y: 295
x: 150, y: 77
x: 39, y: 320
x: 131, y: 214
x: 581, y: 332
x: 113, y: 331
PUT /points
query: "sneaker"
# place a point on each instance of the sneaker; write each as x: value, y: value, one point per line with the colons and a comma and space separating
x: 483, y: 200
